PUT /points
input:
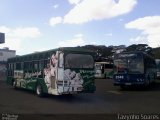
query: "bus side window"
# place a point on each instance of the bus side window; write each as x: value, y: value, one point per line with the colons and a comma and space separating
x: 46, y: 62
x: 19, y: 66
x: 14, y: 67
x: 30, y: 67
x: 41, y: 64
x: 36, y: 65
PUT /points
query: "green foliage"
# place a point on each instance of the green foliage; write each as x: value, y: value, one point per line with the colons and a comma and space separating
x: 103, y: 52
x: 140, y: 47
x: 156, y: 52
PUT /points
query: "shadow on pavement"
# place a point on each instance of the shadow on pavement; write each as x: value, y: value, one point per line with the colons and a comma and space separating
x: 152, y: 87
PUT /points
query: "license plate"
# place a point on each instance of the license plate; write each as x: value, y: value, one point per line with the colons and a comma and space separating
x: 79, y: 88
x: 127, y: 83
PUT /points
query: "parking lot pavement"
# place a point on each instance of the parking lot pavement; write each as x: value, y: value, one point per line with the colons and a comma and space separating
x: 107, y: 99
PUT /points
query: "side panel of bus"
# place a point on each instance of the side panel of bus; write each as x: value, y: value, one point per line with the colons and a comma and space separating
x: 47, y: 72
x: 158, y: 68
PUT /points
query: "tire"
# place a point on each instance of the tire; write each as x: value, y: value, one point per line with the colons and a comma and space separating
x: 39, y: 90
x: 123, y: 87
x: 148, y: 81
x: 147, y: 84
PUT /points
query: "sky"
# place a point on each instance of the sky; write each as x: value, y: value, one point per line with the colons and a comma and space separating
x: 38, y: 25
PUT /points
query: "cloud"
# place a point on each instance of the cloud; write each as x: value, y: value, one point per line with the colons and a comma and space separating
x: 109, y: 34
x: 79, y: 35
x: 28, y: 32
x: 149, y: 27
x: 55, y: 20
x: 74, y: 1
x: 93, y: 43
x: 15, y: 36
x: 76, y: 41
x: 55, y: 6
x: 142, y: 39
x: 89, y: 10
x: 121, y: 20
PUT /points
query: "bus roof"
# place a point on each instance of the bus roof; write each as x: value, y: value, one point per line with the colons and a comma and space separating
x: 133, y: 52
x: 102, y: 62
x: 48, y: 53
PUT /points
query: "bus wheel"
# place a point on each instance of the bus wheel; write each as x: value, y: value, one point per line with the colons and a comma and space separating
x: 147, y: 82
x: 123, y: 87
x: 39, y: 91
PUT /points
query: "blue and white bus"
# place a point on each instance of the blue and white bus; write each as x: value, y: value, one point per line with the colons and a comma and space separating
x: 158, y: 68
x: 134, y: 68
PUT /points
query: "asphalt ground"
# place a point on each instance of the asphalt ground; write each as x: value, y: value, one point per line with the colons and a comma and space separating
x: 107, y: 100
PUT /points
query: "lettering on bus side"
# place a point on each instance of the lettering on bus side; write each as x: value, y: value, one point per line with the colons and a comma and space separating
x: 87, y: 71
x: 34, y: 74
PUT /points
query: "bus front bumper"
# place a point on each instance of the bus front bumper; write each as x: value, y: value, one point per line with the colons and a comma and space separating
x: 128, y: 83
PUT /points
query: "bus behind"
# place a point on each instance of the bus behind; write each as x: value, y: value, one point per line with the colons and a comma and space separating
x: 134, y: 68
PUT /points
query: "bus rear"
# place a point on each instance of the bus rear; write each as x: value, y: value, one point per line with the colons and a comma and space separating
x: 78, y: 73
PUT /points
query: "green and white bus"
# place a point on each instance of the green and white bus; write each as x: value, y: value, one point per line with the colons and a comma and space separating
x: 104, y: 69
x: 60, y: 71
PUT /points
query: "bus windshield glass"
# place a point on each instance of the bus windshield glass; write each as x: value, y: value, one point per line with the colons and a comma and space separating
x: 158, y: 64
x: 129, y: 63
x: 79, y: 61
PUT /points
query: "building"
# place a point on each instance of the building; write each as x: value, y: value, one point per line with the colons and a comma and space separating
x: 5, y: 53
x: 2, y: 38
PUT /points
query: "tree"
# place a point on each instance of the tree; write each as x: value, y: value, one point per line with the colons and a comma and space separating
x: 156, y: 52
x: 140, y: 47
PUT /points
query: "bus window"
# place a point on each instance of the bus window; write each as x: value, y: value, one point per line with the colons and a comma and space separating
x: 135, y: 65
x: 41, y: 64
x: 79, y: 61
x: 46, y: 62
x: 129, y: 64
x: 36, y: 64
x: 121, y: 65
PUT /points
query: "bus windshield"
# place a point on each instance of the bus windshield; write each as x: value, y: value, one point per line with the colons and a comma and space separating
x: 79, y: 61
x: 98, y: 66
x: 129, y: 64
x: 158, y: 64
